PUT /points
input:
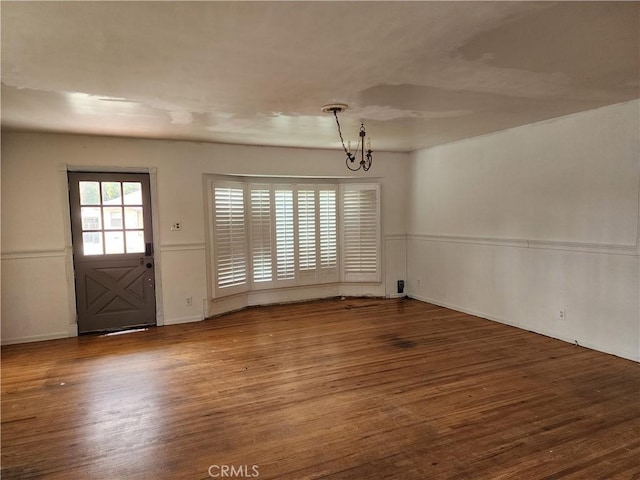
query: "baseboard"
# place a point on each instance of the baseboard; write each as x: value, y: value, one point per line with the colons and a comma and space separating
x: 73, y: 330
x: 396, y: 295
x: 458, y: 308
x: 618, y: 353
x: 35, y: 338
x: 176, y: 321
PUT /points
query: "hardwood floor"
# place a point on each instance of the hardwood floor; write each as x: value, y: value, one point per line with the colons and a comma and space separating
x: 353, y: 389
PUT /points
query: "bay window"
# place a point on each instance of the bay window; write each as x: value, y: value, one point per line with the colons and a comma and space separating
x: 272, y: 234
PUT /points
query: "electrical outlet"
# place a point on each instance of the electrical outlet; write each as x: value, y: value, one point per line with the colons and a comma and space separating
x: 188, y: 301
x: 562, y: 315
x: 177, y: 226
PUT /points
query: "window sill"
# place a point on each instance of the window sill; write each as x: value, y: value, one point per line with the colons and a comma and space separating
x: 237, y: 301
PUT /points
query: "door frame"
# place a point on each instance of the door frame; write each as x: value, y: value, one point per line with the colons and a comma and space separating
x: 155, y: 220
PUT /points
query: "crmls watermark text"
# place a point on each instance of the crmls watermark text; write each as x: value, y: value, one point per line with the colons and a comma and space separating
x: 234, y: 471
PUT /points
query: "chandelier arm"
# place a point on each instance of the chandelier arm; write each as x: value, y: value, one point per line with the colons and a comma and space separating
x: 349, y: 166
x: 367, y: 166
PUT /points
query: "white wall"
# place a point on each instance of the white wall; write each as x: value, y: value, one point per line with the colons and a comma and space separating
x: 37, y: 294
x: 518, y: 225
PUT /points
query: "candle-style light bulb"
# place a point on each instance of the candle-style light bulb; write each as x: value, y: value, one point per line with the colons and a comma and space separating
x: 349, y: 146
x: 368, y: 143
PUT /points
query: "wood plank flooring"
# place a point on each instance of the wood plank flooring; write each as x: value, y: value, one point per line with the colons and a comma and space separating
x: 335, y: 389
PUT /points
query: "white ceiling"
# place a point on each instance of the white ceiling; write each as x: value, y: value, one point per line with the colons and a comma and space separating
x: 417, y: 73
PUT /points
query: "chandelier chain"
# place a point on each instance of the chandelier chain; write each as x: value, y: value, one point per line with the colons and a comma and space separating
x: 335, y: 114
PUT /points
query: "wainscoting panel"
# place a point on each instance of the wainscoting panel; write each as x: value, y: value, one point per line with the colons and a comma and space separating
x: 527, y: 284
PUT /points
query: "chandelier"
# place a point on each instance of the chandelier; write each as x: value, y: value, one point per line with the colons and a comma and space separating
x: 365, y: 158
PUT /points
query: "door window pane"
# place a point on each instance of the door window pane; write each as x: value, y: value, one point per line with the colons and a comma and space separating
x: 91, y: 218
x: 92, y: 243
x: 114, y: 242
x: 132, y: 193
x: 89, y: 193
x: 112, y: 218
x: 111, y: 193
x: 133, y: 217
x: 135, y: 241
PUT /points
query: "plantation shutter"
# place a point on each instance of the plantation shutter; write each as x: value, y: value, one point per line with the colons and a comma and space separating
x: 328, y: 234
x: 285, y: 235
x: 230, y: 237
x: 307, y: 234
x: 261, y: 235
x: 361, y: 233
